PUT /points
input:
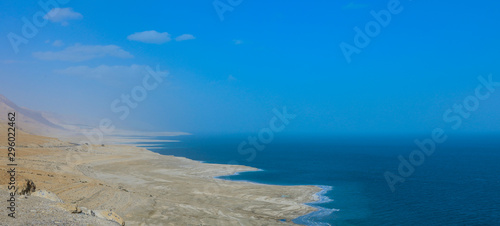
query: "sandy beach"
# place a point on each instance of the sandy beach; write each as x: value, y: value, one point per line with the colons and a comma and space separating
x: 143, y: 187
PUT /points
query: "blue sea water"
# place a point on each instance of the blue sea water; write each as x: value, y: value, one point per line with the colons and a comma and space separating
x: 459, y: 184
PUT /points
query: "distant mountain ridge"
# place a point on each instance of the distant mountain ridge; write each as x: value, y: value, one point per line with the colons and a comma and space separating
x: 30, y: 121
x: 54, y: 125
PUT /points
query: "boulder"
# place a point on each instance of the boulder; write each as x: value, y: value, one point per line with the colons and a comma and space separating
x: 26, y: 188
x: 86, y: 211
x: 72, y: 208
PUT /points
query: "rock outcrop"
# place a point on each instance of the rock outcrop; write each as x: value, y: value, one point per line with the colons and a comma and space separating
x: 108, y: 215
x: 26, y: 188
x: 72, y: 208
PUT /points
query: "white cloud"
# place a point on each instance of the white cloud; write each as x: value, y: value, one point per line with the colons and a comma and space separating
x: 150, y: 37
x: 62, y: 15
x: 79, y: 52
x: 58, y: 43
x: 184, y: 37
x: 105, y: 71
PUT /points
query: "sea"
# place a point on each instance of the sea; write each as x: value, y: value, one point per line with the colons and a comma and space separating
x: 458, y: 184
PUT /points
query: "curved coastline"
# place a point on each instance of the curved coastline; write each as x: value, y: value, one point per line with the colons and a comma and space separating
x: 307, y: 219
x: 321, y: 197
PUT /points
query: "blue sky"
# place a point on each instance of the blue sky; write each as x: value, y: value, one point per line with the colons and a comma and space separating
x: 226, y: 76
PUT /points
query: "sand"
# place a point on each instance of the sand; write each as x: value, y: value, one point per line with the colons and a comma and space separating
x: 145, y: 188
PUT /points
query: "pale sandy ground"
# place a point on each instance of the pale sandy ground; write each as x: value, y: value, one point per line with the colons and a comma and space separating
x: 143, y: 187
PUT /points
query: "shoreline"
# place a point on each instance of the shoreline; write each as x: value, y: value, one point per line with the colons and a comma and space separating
x: 318, y: 198
x: 321, y: 211
x: 143, y: 186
